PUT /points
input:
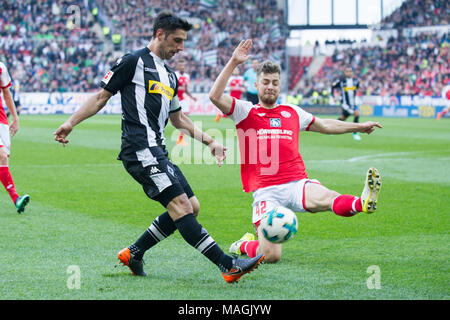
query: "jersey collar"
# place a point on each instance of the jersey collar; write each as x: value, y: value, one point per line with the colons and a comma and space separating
x: 156, y: 58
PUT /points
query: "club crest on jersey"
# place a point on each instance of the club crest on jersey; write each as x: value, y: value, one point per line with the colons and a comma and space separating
x: 286, y: 114
x: 161, y: 88
x: 172, y: 79
x: 275, y: 122
x: 170, y: 170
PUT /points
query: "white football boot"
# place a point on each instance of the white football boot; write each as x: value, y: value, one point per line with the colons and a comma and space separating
x: 369, y: 196
x: 235, y: 247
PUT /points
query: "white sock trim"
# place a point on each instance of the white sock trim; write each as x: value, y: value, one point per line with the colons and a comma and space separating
x: 353, y: 205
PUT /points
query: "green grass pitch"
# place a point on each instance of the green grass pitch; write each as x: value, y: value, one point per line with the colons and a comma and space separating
x: 84, y: 208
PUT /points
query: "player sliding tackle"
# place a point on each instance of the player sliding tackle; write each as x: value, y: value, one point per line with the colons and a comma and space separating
x: 148, y: 89
x: 270, y: 130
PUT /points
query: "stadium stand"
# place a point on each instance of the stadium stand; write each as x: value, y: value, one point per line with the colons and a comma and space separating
x: 46, y: 51
x: 216, y: 30
x: 298, y: 66
x: 62, y: 56
x: 45, y: 48
x: 408, y: 64
x: 415, y: 13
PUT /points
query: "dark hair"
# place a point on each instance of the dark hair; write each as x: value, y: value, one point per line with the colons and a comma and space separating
x: 268, y: 67
x: 169, y: 23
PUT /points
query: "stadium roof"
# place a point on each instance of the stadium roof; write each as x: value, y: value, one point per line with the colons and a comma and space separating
x: 338, y: 14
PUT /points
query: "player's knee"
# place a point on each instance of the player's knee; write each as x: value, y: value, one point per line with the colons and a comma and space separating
x: 195, y: 205
x: 3, y: 157
x: 179, y: 207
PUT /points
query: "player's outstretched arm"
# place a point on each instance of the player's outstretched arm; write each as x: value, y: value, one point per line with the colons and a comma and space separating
x: 184, y: 123
x: 332, y: 126
x: 93, y: 105
x: 216, y: 95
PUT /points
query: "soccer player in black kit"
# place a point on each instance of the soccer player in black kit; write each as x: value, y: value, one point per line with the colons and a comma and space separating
x: 347, y: 85
x: 148, y: 89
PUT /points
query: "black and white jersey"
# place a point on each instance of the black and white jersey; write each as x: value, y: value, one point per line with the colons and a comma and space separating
x: 347, y: 87
x: 148, y: 89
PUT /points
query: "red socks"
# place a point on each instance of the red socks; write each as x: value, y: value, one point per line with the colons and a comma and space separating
x: 346, y: 205
x: 180, y: 137
x: 249, y: 248
x: 8, y: 183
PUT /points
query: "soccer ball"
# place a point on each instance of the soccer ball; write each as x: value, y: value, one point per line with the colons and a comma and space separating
x: 279, y: 225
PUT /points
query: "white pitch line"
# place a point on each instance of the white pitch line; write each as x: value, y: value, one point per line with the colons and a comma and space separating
x: 378, y: 156
x: 67, y: 165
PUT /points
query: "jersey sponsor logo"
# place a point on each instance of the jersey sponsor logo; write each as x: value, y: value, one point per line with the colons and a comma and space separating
x: 108, y: 77
x: 275, y: 122
x: 161, y: 88
x: 349, y: 88
x: 152, y: 70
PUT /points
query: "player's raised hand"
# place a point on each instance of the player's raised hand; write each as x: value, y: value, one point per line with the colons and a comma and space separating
x: 369, y: 126
x: 240, y: 54
x: 62, y: 132
x: 218, y: 151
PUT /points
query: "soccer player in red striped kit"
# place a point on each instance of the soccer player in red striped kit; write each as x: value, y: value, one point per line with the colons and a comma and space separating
x: 271, y: 165
x: 7, y: 131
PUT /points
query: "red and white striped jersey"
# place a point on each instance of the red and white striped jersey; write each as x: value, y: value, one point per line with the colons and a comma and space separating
x: 5, y: 82
x: 183, y: 82
x: 269, y: 143
x: 236, y: 83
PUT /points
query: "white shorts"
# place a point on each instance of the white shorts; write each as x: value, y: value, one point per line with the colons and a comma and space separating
x: 5, y: 141
x: 290, y: 195
x: 185, y: 106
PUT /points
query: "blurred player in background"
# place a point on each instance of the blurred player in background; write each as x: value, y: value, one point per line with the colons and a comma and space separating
x: 148, y: 89
x: 15, y: 92
x: 347, y: 86
x: 271, y: 165
x: 235, y: 87
x: 7, y: 131
x: 183, y: 85
x: 446, y: 96
x: 250, y: 79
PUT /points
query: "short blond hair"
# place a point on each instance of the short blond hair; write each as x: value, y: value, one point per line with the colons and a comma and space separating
x: 268, y: 67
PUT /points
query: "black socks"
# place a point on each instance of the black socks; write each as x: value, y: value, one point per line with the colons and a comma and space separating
x: 191, y: 231
x: 199, y: 238
x: 161, y: 228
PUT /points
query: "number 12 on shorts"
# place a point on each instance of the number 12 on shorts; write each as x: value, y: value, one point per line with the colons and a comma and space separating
x: 260, y: 208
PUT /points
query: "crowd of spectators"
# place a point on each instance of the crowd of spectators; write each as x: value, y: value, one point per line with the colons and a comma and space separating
x: 51, y: 45
x: 413, y: 13
x: 216, y: 30
x: 406, y: 66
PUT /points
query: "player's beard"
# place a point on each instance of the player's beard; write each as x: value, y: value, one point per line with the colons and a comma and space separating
x: 268, y: 99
